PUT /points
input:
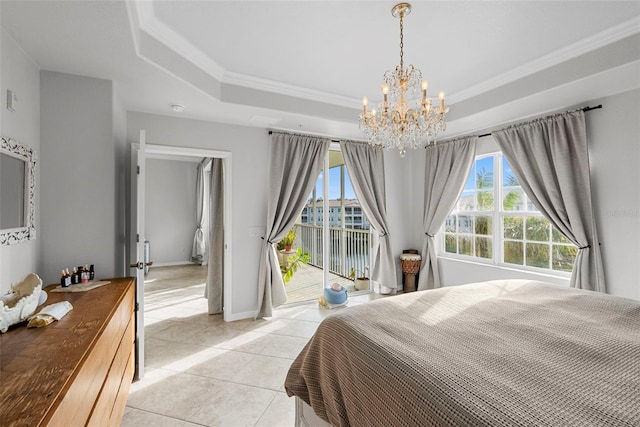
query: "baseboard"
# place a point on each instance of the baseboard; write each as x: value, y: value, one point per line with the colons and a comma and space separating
x: 172, y: 264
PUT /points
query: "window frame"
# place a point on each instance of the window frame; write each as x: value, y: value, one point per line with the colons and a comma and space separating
x: 498, y: 214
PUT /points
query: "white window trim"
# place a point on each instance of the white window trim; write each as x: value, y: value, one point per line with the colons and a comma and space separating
x: 498, y: 236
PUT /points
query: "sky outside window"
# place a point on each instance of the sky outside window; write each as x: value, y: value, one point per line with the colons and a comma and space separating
x: 334, y: 185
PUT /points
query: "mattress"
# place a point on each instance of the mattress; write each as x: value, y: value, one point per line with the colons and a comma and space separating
x: 499, y: 353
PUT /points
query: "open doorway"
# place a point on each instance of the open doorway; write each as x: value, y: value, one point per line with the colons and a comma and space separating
x: 139, y: 155
x: 172, y: 209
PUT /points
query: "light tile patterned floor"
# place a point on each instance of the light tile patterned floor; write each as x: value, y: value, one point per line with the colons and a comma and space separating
x: 201, y: 371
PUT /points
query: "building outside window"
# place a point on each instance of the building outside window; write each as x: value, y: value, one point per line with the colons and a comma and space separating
x: 353, y: 214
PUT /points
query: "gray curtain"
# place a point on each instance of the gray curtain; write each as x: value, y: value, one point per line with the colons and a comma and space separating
x: 550, y: 158
x: 213, y: 290
x: 365, y: 165
x: 446, y: 170
x: 295, y: 161
x: 199, y: 248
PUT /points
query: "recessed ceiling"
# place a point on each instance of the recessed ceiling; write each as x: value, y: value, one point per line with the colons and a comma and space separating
x: 305, y: 65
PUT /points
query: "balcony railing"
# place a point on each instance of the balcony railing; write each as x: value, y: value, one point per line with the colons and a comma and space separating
x: 349, y: 248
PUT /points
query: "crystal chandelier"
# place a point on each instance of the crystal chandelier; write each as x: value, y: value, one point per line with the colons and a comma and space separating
x: 395, y: 124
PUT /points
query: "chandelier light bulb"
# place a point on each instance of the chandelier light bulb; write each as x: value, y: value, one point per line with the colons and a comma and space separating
x: 406, y: 118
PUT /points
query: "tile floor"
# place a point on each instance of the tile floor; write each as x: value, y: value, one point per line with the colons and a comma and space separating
x: 201, y: 371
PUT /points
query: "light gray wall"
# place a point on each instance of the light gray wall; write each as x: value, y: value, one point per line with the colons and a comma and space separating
x: 21, y: 75
x: 78, y: 197
x: 170, y: 210
x: 614, y: 142
x: 121, y: 201
x: 613, y: 136
x: 400, y: 180
x: 249, y: 148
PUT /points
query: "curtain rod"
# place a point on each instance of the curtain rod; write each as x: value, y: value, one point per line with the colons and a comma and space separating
x: 332, y: 139
x: 585, y: 109
x: 303, y: 134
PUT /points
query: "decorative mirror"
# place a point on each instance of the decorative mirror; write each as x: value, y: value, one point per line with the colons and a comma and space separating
x: 17, y: 192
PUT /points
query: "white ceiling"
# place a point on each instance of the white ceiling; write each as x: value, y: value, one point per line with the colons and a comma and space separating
x: 305, y: 65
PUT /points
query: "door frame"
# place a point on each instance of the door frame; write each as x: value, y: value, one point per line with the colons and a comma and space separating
x: 226, y: 156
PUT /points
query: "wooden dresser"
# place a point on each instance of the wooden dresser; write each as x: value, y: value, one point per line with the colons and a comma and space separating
x: 76, y: 371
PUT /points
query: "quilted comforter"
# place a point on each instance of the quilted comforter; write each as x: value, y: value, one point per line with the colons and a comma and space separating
x: 500, y: 353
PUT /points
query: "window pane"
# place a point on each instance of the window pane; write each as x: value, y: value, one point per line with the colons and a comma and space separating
x: 513, y: 253
x: 484, y: 247
x: 564, y: 257
x: 464, y: 245
x: 484, y: 173
x: 465, y: 224
x: 484, y: 225
x: 484, y: 183
x: 450, y: 243
x: 450, y: 224
x: 513, y: 227
x: 537, y: 229
x: 558, y: 237
x: 484, y: 200
x: 467, y: 201
x: 508, y: 177
x: 538, y: 255
x: 513, y: 199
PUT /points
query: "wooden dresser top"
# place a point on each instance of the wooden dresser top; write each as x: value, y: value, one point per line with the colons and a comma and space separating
x: 37, y: 365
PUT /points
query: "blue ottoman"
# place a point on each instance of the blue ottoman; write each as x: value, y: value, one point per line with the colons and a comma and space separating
x: 335, y: 297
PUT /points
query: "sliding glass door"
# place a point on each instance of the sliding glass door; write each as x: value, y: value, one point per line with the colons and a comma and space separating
x: 333, y: 231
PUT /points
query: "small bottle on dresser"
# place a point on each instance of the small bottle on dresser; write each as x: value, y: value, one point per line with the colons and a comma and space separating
x: 63, y: 279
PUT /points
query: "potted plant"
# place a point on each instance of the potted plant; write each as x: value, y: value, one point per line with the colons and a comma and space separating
x: 292, y: 264
x: 361, y: 282
x: 288, y: 239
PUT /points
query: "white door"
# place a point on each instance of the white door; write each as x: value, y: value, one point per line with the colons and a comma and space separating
x: 138, y: 160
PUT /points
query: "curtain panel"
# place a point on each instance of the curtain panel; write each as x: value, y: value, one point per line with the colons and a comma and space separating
x: 550, y: 158
x: 295, y: 161
x: 365, y: 165
x: 446, y: 170
x: 214, y: 288
x: 199, y: 247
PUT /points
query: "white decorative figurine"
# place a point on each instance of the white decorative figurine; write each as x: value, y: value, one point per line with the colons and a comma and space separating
x: 21, y: 302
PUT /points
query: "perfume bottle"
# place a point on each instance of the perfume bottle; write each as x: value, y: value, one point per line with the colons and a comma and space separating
x: 63, y: 279
x: 84, y: 275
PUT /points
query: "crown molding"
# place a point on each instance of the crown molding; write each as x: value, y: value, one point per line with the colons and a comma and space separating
x: 150, y: 24
x: 572, y: 51
x: 143, y: 19
x: 266, y: 85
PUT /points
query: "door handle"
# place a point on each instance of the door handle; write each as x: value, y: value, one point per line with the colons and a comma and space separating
x: 141, y: 265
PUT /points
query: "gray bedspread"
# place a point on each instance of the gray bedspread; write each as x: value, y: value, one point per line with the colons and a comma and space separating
x: 500, y: 353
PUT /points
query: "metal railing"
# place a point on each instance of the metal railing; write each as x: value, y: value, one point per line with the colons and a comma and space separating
x: 349, y: 248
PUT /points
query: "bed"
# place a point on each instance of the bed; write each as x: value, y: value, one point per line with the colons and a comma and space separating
x: 498, y: 353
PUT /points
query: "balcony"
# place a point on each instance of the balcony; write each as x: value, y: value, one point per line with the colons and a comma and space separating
x: 349, y: 249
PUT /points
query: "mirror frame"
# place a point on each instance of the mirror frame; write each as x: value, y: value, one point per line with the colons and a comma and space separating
x: 29, y: 156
